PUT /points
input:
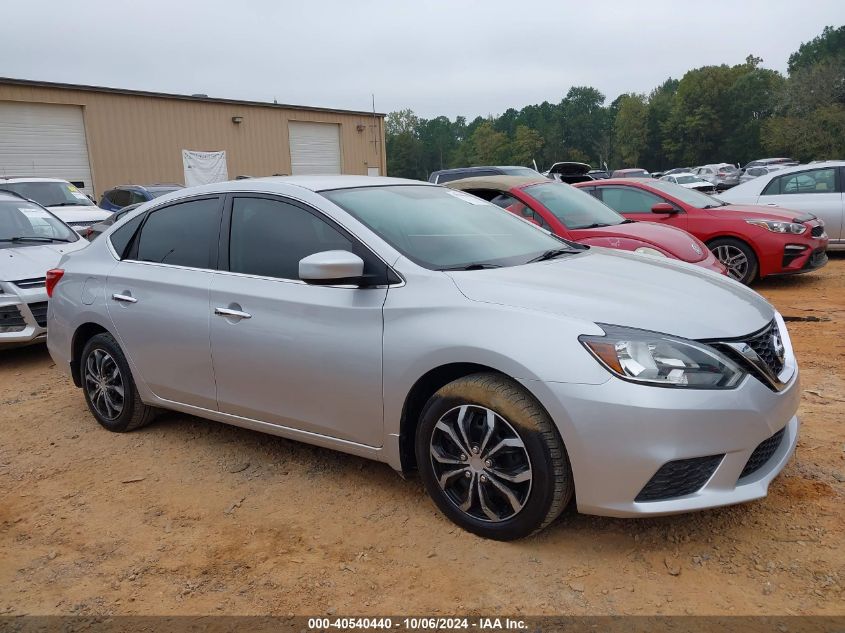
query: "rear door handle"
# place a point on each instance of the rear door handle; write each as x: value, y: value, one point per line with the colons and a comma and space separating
x: 124, y: 298
x: 228, y: 312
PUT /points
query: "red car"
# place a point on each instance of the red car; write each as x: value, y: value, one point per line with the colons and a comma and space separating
x: 575, y: 216
x: 753, y: 241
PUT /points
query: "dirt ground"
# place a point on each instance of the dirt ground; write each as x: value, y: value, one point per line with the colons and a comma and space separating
x: 193, y: 517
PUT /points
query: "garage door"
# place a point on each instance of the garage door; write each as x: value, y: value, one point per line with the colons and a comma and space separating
x: 314, y: 148
x: 44, y: 140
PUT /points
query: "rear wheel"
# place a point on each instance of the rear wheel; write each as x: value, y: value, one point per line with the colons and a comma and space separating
x: 491, y: 458
x: 109, y: 390
x: 737, y: 256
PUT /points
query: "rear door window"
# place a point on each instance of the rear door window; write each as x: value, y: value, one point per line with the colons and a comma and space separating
x: 182, y: 234
x: 629, y: 199
x: 814, y: 181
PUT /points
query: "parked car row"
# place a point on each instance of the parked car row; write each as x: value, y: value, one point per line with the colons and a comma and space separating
x: 432, y: 329
x: 750, y: 240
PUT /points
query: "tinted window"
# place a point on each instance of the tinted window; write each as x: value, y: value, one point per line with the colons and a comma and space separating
x: 439, y: 228
x: 269, y: 237
x: 135, y: 198
x: 119, y: 197
x: 121, y: 237
x: 816, y: 181
x: 629, y: 199
x: 182, y: 234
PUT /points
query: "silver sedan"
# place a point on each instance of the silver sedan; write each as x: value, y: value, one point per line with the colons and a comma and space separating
x: 431, y: 330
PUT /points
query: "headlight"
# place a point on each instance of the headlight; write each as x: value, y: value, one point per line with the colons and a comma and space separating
x: 659, y: 359
x: 776, y: 226
x: 645, y: 250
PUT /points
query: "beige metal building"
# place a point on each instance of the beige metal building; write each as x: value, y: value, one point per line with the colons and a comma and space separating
x: 104, y: 137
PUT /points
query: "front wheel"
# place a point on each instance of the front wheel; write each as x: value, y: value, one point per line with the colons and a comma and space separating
x: 738, y: 257
x: 491, y: 458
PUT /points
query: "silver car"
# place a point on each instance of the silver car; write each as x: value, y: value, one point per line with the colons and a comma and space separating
x: 431, y: 330
x: 32, y: 240
x: 816, y: 189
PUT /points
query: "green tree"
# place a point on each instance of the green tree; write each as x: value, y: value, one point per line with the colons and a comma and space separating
x: 630, y: 129
x: 830, y: 45
x: 526, y: 145
x: 489, y: 147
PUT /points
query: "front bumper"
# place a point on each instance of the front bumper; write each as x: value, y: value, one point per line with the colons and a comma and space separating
x: 619, y: 434
x: 25, y: 312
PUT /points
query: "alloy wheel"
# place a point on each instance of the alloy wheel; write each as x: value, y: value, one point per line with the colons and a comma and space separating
x: 481, y: 463
x: 104, y: 384
x: 734, y: 260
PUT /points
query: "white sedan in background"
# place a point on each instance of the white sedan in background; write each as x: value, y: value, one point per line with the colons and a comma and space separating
x: 61, y: 198
x: 690, y: 181
x: 816, y: 189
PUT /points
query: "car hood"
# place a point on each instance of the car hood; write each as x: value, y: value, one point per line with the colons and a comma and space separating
x: 760, y: 211
x: 619, y: 288
x: 34, y: 260
x: 82, y: 213
x: 676, y: 242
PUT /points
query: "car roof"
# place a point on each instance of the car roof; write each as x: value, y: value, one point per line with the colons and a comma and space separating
x: 615, y: 181
x: 311, y: 183
x: 808, y: 167
x: 153, y: 186
x: 627, y: 169
x: 495, y: 182
x: 682, y: 173
x: 30, y: 179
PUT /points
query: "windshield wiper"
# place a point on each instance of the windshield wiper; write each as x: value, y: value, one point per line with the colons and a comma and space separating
x: 552, y: 253
x: 69, y: 204
x: 595, y: 225
x: 33, y: 238
x: 473, y: 266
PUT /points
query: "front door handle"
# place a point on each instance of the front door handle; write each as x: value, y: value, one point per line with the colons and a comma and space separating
x: 228, y: 312
x: 124, y: 298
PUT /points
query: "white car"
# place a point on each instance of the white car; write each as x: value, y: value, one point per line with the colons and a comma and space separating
x: 32, y: 240
x: 815, y: 189
x: 60, y: 197
x: 690, y: 181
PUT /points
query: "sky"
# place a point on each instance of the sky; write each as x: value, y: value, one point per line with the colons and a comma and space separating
x: 435, y: 57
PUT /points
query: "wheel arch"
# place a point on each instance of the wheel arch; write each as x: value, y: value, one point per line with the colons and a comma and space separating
x: 81, y: 336
x: 425, y: 387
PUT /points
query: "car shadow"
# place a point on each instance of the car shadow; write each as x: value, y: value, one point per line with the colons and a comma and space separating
x: 22, y: 358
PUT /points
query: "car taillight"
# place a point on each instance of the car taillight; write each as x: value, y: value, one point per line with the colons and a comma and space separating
x: 87, y: 233
x: 53, y: 276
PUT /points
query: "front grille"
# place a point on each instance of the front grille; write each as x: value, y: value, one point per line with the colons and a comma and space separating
x: 817, y: 231
x: 762, y: 453
x: 679, y: 478
x: 763, y: 343
x: 81, y: 225
x: 39, y: 312
x: 27, y: 284
x: 11, y: 317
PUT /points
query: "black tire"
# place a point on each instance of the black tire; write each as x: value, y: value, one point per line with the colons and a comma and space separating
x: 550, y: 487
x: 721, y: 248
x: 132, y: 413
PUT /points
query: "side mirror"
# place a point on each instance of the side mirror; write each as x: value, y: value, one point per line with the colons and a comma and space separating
x: 663, y: 207
x: 330, y: 268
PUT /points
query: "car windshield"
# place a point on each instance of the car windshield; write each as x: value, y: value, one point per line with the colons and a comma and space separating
x: 576, y: 209
x: 439, y: 228
x: 25, y: 224
x: 687, y: 196
x: 50, y: 193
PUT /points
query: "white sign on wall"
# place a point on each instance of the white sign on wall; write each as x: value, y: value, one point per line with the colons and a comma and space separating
x: 202, y: 168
